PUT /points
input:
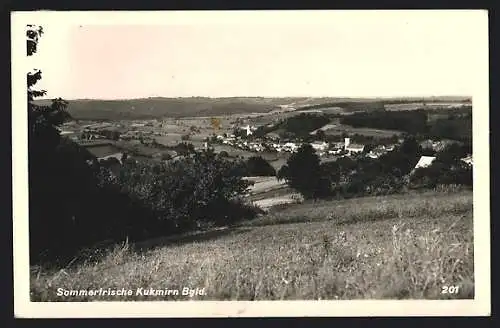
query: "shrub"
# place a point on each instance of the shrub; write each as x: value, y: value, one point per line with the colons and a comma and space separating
x: 186, y: 193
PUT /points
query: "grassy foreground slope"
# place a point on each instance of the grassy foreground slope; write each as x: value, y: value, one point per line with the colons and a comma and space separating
x: 391, y: 247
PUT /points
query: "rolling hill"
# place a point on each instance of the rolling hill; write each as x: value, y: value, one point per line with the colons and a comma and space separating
x: 159, y: 107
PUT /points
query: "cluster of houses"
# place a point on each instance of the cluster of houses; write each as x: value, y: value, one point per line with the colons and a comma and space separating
x: 322, y: 148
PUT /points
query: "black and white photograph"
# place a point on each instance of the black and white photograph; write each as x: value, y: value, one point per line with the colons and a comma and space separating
x: 332, y: 162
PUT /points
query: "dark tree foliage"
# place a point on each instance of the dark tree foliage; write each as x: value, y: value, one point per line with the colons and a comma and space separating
x: 302, y: 124
x: 184, y: 194
x: 184, y: 148
x: 409, y: 121
x: 440, y: 173
x: 321, y: 135
x: 353, y: 177
x: 59, y: 178
x: 452, y: 154
x: 303, y: 171
x: 455, y: 128
x: 240, y: 133
x: 282, y: 173
x: 110, y: 134
x: 455, y: 125
x: 223, y: 153
x: 258, y: 166
x: 350, y: 106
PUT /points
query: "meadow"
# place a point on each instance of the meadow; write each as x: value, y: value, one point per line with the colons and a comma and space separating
x: 418, y: 105
x: 389, y: 247
x: 339, y: 129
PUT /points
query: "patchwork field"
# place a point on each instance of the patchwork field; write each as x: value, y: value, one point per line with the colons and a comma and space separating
x: 339, y: 129
x: 264, y: 184
x: 393, y: 247
x: 267, y: 192
x: 232, y: 151
x: 426, y: 105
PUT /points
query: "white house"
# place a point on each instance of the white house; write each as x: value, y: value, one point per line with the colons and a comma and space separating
x: 377, y: 152
x: 334, y: 151
x: 355, y: 148
x: 389, y: 148
x: 425, y: 161
x: 319, y: 146
x: 467, y: 160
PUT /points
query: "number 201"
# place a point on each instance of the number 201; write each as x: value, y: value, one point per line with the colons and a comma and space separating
x: 449, y: 290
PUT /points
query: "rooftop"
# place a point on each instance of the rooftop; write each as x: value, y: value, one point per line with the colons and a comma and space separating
x: 425, y: 161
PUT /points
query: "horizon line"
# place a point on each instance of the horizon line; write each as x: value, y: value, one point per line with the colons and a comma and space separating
x: 264, y: 97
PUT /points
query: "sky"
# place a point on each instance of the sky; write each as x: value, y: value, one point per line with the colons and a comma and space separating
x: 345, y: 55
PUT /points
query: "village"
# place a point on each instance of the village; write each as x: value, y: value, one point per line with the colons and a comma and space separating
x: 140, y: 139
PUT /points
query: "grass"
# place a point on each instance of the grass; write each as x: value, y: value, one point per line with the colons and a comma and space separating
x: 393, y: 247
x: 376, y: 133
x: 282, y: 191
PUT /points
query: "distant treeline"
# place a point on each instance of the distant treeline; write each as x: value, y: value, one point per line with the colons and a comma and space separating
x: 349, y: 106
x: 151, y: 108
x: 354, y: 105
x: 456, y: 127
x: 296, y: 126
x: 303, y: 124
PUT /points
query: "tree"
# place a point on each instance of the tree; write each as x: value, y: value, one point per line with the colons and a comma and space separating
x: 321, y: 135
x: 61, y: 183
x: 410, y: 146
x: 166, y: 157
x: 451, y: 154
x: 303, y: 171
x: 215, y: 122
x: 124, y: 157
x: 282, y: 173
x: 240, y: 133
x: 368, y: 148
x: 258, y: 166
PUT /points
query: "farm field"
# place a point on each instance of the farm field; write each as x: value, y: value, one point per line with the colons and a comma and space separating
x: 232, y: 151
x: 281, y: 191
x: 267, y: 192
x: 264, y: 184
x: 427, y: 105
x: 339, y: 129
x: 270, y: 202
x: 170, y: 139
x: 390, y: 247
